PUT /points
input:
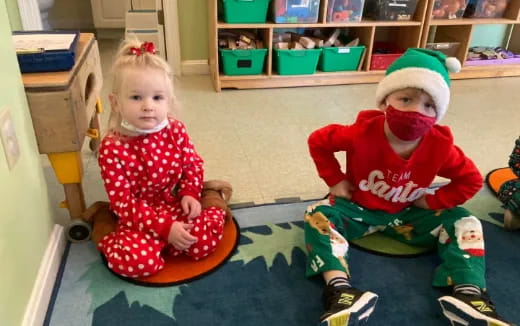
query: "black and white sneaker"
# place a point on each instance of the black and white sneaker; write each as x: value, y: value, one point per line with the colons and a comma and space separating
x: 471, y: 310
x: 345, y: 306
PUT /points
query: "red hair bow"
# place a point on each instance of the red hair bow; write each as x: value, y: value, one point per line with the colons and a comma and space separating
x: 145, y: 47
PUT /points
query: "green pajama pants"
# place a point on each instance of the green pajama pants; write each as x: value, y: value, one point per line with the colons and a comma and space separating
x: 457, y: 234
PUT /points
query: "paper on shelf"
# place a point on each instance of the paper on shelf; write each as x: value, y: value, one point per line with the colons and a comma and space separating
x: 42, y: 42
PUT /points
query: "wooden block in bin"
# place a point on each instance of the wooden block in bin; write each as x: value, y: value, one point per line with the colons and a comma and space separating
x: 354, y: 42
x: 245, y: 39
x: 317, y: 41
x: 295, y: 37
x: 222, y: 43
x: 231, y: 43
x: 307, y: 42
x: 338, y: 43
x: 296, y: 46
x: 281, y: 46
x: 330, y: 41
x: 248, y: 34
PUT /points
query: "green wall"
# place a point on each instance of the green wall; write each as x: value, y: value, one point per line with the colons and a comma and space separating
x: 489, y: 35
x: 193, y: 25
x: 25, y: 215
x: 14, y: 15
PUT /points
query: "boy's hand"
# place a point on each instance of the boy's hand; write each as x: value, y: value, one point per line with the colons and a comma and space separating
x: 180, y: 237
x: 421, y: 203
x: 190, y: 207
x: 343, y: 189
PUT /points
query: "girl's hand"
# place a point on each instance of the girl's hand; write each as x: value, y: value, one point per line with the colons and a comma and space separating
x: 180, y: 237
x: 190, y: 207
x: 343, y: 189
x: 421, y: 203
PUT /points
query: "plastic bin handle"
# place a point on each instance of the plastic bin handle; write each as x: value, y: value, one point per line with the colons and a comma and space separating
x: 242, y: 53
x: 297, y: 53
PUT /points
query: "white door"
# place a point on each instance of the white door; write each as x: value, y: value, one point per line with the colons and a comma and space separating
x: 156, y: 21
x: 109, y: 13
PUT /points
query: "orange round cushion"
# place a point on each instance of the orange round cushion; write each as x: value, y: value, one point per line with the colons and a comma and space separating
x: 498, y: 177
x: 179, y: 269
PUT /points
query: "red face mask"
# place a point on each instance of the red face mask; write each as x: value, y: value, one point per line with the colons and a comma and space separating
x: 408, y: 125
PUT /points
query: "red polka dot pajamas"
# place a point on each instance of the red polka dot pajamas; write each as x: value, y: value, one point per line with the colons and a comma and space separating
x: 145, y: 178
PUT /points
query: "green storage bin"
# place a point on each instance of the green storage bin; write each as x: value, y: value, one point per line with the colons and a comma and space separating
x: 243, y: 62
x: 297, y: 62
x: 341, y: 58
x: 245, y: 11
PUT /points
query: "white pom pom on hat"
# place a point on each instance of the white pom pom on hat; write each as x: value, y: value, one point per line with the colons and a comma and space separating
x: 453, y: 64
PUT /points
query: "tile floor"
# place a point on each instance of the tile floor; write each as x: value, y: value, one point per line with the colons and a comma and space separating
x: 256, y: 139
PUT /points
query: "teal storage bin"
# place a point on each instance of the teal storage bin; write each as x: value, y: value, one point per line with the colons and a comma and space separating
x: 297, y: 62
x: 245, y: 11
x: 242, y: 62
x: 341, y: 58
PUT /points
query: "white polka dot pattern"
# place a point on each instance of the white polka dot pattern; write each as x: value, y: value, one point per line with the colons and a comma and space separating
x: 140, y: 174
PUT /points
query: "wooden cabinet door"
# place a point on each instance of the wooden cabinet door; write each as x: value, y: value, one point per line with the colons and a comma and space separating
x: 109, y: 13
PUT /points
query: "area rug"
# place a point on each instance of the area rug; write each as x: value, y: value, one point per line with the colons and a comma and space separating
x: 263, y: 282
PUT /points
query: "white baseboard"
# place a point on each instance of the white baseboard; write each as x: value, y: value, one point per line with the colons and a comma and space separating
x: 42, y: 290
x: 195, y: 67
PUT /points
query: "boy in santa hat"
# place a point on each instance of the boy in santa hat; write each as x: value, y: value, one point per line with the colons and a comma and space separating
x: 393, y: 156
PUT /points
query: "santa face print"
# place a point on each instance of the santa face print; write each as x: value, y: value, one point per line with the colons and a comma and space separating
x: 470, y: 237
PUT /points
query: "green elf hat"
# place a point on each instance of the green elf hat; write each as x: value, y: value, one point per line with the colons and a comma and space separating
x: 423, y: 69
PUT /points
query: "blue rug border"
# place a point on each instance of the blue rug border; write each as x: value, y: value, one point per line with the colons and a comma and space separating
x: 57, y: 285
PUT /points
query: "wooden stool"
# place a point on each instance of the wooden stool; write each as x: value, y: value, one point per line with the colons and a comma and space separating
x: 65, y: 108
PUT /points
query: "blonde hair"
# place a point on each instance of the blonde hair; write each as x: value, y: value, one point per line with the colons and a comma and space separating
x: 126, y: 58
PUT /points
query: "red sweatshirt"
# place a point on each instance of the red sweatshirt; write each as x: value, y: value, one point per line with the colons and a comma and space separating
x: 140, y: 173
x: 384, y: 180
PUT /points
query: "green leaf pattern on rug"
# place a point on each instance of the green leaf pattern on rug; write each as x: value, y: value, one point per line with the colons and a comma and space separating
x: 104, y: 286
x: 280, y: 241
x: 482, y: 204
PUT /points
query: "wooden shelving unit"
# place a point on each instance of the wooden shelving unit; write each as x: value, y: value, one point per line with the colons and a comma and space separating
x: 461, y: 30
x: 404, y: 34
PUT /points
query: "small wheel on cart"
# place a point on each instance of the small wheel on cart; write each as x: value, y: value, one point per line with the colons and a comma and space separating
x: 94, y: 145
x: 78, y: 231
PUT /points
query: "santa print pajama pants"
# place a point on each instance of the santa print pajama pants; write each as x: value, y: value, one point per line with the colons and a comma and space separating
x: 132, y: 253
x: 455, y: 232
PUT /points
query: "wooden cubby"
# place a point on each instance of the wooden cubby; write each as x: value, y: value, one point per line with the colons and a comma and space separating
x: 461, y: 30
x: 405, y: 34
